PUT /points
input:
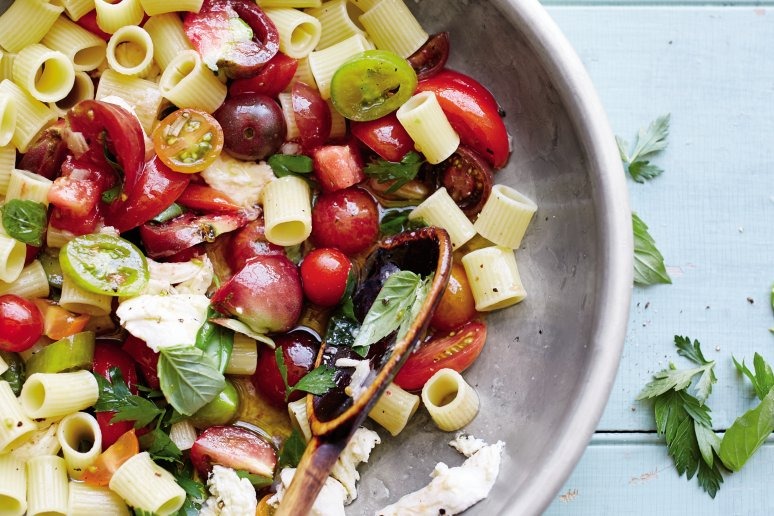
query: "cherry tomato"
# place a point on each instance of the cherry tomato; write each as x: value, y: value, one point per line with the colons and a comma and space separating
x: 299, y: 351
x: 468, y: 179
x: 235, y: 447
x: 100, y: 473
x: 432, y: 56
x: 253, y: 126
x: 206, y: 198
x: 324, y: 274
x: 337, y: 166
x: 145, y: 357
x: 457, y: 350
x: 271, y: 80
x: 473, y: 113
x: 188, y: 140
x: 248, y: 242
x: 372, y: 84
x: 385, y: 136
x: 21, y: 323
x: 107, y: 355
x: 457, y: 305
x: 312, y: 115
x: 346, y: 219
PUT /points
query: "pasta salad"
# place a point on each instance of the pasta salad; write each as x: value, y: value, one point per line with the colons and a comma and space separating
x: 196, y: 197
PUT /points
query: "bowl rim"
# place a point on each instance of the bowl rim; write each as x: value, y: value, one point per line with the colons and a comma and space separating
x: 615, y: 250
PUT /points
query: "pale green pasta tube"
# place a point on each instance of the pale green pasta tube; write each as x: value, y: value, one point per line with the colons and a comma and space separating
x: 324, y: 63
x: 41, y: 442
x: 338, y: 122
x: 131, y: 482
x: 111, y: 17
x: 188, y: 83
x: 27, y: 186
x: 13, y: 486
x: 450, y: 400
x: 85, y: 50
x: 168, y: 35
x: 6, y: 65
x: 392, y: 27
x: 7, y: 120
x: 394, y: 408
x: 299, y: 418
x: 75, y: 9
x: 31, y: 283
x: 31, y: 114
x: 426, y: 123
x: 505, y: 216
x: 299, y: 32
x: 74, y: 432
x: 494, y: 278
x: 47, y: 486
x: 88, y: 500
x: 183, y: 434
x: 244, y: 356
x: 336, y: 21
x: 7, y: 165
x: 303, y: 74
x: 154, y: 7
x: 16, y: 427
x: 25, y: 22
x: 130, y: 51
x: 56, y: 237
x: 291, y: 127
x: 3, y: 365
x: 144, y: 96
x: 46, y: 74
x: 58, y: 394
x: 440, y: 210
x: 80, y: 301
x: 12, y: 255
x: 83, y: 89
x: 287, y: 211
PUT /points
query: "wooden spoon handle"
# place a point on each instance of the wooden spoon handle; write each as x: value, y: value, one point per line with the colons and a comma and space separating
x: 313, y: 470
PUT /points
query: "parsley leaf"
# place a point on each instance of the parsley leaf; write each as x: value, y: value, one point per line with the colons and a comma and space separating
x: 317, y: 381
x: 292, y: 450
x: 15, y: 374
x: 649, y: 141
x: 747, y: 434
x: 649, y: 266
x: 114, y: 396
x: 195, y: 493
x: 400, y: 172
x: 694, y: 354
x: 189, y: 378
x: 160, y: 447
x: 25, y: 221
x: 763, y: 378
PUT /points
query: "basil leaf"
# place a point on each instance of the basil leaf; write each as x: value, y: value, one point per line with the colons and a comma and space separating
x: 747, y: 434
x: 397, y: 221
x: 189, y: 378
x: 160, y: 447
x: 216, y: 341
x: 649, y: 266
x: 317, y: 381
x: 419, y: 298
x: 15, y: 375
x: 292, y: 450
x: 341, y: 330
x: 25, y: 221
x: 399, y: 172
x: 287, y: 164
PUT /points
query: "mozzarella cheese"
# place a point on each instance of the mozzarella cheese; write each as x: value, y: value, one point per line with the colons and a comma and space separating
x: 242, y: 181
x: 192, y: 277
x: 358, y: 450
x: 359, y: 376
x: 330, y: 501
x: 467, y: 444
x: 229, y: 494
x: 164, y: 321
x: 452, y: 490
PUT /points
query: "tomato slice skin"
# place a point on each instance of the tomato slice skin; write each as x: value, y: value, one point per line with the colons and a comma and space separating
x: 457, y: 350
x: 100, y: 473
x: 46, y: 155
x: 372, y: 84
x: 21, y: 323
x: 206, y: 198
x: 385, y: 136
x: 473, y: 112
x: 312, y: 114
x: 234, y: 447
x: 188, y: 140
x: 432, y: 56
x: 271, y: 80
x: 59, y: 323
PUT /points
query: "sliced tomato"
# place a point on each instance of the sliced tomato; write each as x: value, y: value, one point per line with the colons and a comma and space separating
x: 385, y: 136
x: 432, y: 56
x: 100, y: 473
x: 312, y: 114
x: 206, y: 198
x: 235, y: 447
x: 457, y: 305
x: 146, y: 359
x: 457, y: 350
x: 273, y: 78
x: 338, y: 166
x: 473, y: 112
x: 59, y: 323
x: 188, y: 140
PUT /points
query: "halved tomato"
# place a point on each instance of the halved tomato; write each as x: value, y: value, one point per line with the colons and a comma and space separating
x: 456, y: 350
x: 188, y: 140
x: 235, y: 447
x: 273, y: 78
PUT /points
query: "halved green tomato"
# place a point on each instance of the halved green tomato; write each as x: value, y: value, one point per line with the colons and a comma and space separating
x: 188, y: 140
x: 372, y: 84
x: 105, y: 264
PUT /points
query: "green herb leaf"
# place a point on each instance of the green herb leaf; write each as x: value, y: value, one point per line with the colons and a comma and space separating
x: 292, y: 450
x: 396, y: 221
x: 189, y: 378
x: 649, y: 266
x: 109, y: 156
x: 400, y: 172
x: 670, y: 379
x: 642, y: 171
x: 110, y: 195
x: 172, y: 211
x: 294, y: 253
x: 649, y: 142
x: 694, y: 354
x: 341, y: 330
x: 160, y: 447
x: 291, y: 165
x: 763, y: 377
x: 216, y: 341
x: 25, y: 220
x: 258, y: 481
x: 114, y: 396
x: 15, y: 375
x: 195, y: 493
x: 747, y: 434
x: 317, y: 381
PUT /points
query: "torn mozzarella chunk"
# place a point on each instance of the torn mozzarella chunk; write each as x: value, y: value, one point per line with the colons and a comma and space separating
x: 467, y: 444
x: 242, y: 181
x: 359, y: 376
x: 229, y: 494
x: 330, y: 501
x: 164, y: 321
x: 358, y: 450
x: 192, y: 277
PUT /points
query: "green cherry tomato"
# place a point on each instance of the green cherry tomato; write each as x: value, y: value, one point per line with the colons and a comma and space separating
x: 220, y: 411
x: 372, y: 84
x: 105, y: 264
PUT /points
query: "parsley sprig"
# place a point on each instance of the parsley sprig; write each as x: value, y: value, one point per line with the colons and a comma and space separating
x: 114, y: 396
x: 649, y: 141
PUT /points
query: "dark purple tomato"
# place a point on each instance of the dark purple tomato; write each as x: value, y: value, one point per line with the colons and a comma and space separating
x: 431, y: 57
x: 299, y: 351
x: 253, y: 126
x: 468, y: 179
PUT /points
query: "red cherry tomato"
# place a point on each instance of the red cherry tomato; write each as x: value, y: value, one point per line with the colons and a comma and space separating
x: 457, y: 305
x: 206, y: 198
x: 324, y: 274
x: 145, y: 357
x: 273, y: 78
x: 346, y: 219
x: 337, y: 166
x: 457, y: 350
x: 312, y: 114
x: 106, y: 356
x: 21, y: 323
x: 299, y: 351
x: 235, y: 447
x: 248, y: 242
x: 472, y: 112
x: 385, y: 136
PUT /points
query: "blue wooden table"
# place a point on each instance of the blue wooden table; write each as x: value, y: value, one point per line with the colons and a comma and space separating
x: 711, y: 65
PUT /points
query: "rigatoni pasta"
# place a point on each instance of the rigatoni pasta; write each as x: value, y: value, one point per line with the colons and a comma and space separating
x: 12, y: 256
x: 392, y: 27
x: 130, y: 51
x: 83, y: 89
x: 31, y: 283
x: 183, y: 434
x: 188, y: 83
x: 13, y: 486
x: 16, y: 31
x: 46, y: 74
x: 440, y: 210
x: 80, y: 301
x: 7, y: 166
x: 244, y: 356
x: 451, y: 402
x: 27, y: 186
x: 299, y: 4
x: 113, y: 16
x: 80, y: 437
x: 169, y: 39
x: 291, y: 127
x: 324, y: 63
x: 7, y: 120
x: 47, y: 485
x: 394, y: 408
x: 287, y: 211
x: 88, y: 500
x: 132, y: 479
x: 58, y: 394
x: 336, y: 21
x: 505, y: 216
x: 85, y: 50
x: 424, y: 120
x: 75, y: 9
x: 144, y: 96
x: 41, y: 442
x: 299, y: 33
x: 16, y: 427
x: 154, y: 7
x: 299, y: 418
x: 31, y: 115
x: 494, y: 278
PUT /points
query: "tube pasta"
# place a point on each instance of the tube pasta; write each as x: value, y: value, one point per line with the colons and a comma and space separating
x: 3, y: 365
x: 394, y: 408
x: 144, y: 96
x: 324, y: 63
x: 505, y: 216
x: 12, y: 256
x: 440, y: 210
x: 7, y: 165
x: 25, y: 22
x: 47, y: 486
x: 80, y: 301
x: 450, y: 400
x: 494, y: 278
x: 287, y: 211
x: 31, y: 283
x: 291, y: 127
x: 74, y: 430
x: 46, y: 74
x: 16, y: 427
x: 338, y: 122
x: 299, y: 418
x: 41, y: 442
x: 183, y: 434
x: 304, y: 73
x: 169, y: 39
x: 75, y: 9
x: 27, y: 186
x: 31, y: 114
x: 392, y: 27
x: 188, y: 83
x: 244, y: 355
x: 83, y: 89
x: 299, y: 33
x: 132, y: 479
x: 88, y: 500
x: 85, y: 50
x: 336, y: 21
x: 154, y: 7
x: 100, y: 324
x: 130, y: 51
x: 58, y: 394
x: 6, y: 65
x: 56, y: 237
x: 426, y: 123
x: 111, y: 17
x: 13, y: 486
x: 7, y: 120
x: 298, y: 4
x: 364, y: 5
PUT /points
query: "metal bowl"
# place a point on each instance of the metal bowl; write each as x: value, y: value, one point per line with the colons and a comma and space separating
x: 550, y: 361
